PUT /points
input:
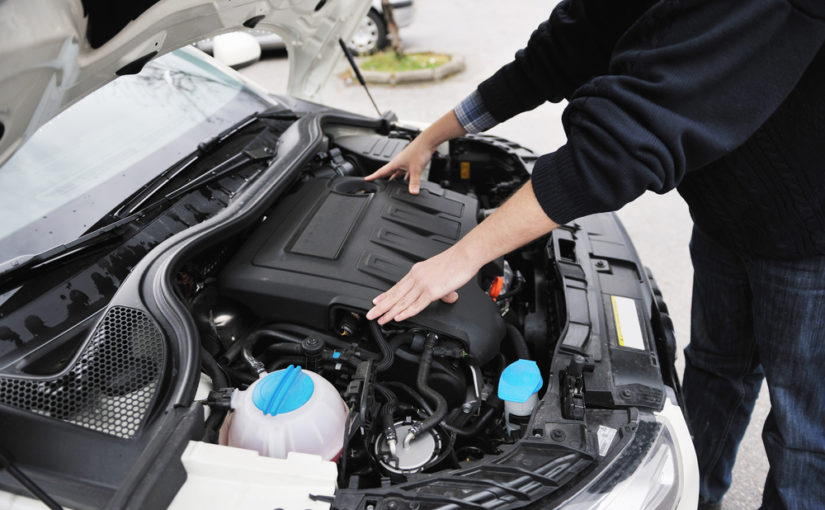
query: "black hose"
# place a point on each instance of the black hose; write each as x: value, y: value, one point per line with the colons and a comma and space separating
x: 387, y: 356
x: 213, y: 370
x: 285, y: 348
x: 475, y: 428
x: 219, y: 380
x: 433, y: 396
x: 252, y: 338
x: 412, y: 393
x: 518, y: 342
x: 398, y: 340
x: 243, y: 377
x: 281, y: 327
x: 387, y: 413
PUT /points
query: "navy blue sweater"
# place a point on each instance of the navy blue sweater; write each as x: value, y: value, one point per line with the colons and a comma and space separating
x: 724, y: 98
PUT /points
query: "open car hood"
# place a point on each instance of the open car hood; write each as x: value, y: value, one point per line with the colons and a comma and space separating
x: 54, y: 52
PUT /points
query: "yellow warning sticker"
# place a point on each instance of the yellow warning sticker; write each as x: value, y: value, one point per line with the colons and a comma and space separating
x: 626, y: 317
x: 465, y: 170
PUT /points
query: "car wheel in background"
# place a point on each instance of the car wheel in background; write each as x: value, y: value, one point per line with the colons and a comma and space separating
x: 370, y: 36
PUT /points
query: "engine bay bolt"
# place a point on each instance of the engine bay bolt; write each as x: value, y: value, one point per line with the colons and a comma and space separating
x: 467, y: 407
x: 626, y: 394
x: 558, y: 435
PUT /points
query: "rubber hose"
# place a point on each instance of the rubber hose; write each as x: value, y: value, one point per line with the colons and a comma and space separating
x: 398, y: 340
x: 518, y: 342
x: 305, y: 331
x: 437, y: 398
x: 387, y: 411
x: 213, y: 370
x: 387, y: 356
x: 219, y: 380
x: 475, y: 428
x: 285, y: 348
x: 412, y: 393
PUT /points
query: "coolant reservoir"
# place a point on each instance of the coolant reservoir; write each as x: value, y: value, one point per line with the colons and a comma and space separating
x: 291, y: 410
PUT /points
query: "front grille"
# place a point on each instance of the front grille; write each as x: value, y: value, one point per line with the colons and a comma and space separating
x: 110, y: 386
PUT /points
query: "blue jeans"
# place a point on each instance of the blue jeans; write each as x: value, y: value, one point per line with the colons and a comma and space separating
x: 751, y: 319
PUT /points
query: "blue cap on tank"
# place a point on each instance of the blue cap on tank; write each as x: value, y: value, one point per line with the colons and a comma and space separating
x: 519, y: 380
x: 283, y: 391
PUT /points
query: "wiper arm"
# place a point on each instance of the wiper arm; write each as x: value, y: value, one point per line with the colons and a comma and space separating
x: 15, y: 267
x: 205, y: 148
x: 83, y: 244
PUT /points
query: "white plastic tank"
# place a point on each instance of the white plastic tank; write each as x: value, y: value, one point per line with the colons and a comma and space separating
x: 518, y: 387
x: 290, y: 410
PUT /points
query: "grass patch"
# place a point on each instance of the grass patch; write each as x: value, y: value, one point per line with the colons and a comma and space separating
x: 389, y: 62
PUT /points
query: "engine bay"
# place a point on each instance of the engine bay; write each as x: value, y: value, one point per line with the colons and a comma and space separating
x: 289, y: 297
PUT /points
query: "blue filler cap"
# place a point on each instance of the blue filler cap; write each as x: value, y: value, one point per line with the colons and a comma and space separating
x: 283, y: 391
x: 519, y: 380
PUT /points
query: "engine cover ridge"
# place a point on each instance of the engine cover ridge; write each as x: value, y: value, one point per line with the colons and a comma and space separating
x: 334, y: 244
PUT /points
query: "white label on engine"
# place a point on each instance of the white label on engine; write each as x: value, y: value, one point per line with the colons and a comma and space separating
x: 606, y: 436
x: 628, y: 329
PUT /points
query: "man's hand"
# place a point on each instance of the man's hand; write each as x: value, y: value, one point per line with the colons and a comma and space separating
x: 519, y: 221
x: 409, y: 163
x: 415, y: 156
x: 434, y: 278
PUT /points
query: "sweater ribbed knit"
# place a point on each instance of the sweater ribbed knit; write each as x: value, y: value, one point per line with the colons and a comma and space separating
x: 725, y: 100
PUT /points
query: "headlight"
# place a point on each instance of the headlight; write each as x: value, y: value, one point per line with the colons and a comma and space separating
x: 657, y: 470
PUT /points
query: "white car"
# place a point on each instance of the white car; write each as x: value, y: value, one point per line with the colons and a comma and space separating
x: 185, y: 264
x: 370, y: 36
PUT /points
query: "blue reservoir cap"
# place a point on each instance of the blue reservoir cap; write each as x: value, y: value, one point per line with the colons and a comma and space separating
x: 519, y: 380
x: 283, y: 391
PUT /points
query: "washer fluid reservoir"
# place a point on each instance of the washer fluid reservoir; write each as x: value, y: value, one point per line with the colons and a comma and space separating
x: 290, y: 410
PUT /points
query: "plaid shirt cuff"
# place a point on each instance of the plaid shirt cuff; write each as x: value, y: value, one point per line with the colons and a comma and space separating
x: 473, y: 115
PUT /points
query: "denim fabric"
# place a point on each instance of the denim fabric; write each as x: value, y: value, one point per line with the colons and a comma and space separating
x: 755, y: 318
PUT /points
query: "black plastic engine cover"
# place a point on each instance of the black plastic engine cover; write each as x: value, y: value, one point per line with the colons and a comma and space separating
x: 333, y: 245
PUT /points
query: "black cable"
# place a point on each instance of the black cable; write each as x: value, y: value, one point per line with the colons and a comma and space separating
x: 387, y: 356
x: 24, y: 480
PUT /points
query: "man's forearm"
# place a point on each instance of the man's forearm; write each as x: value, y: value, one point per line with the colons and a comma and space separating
x: 445, y: 128
x: 517, y: 222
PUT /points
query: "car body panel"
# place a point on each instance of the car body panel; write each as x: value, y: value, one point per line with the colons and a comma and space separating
x: 47, y: 61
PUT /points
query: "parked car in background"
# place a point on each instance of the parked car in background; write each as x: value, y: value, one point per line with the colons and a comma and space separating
x: 185, y: 265
x: 370, y: 36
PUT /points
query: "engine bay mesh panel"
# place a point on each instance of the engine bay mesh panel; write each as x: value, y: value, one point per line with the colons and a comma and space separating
x: 109, y: 387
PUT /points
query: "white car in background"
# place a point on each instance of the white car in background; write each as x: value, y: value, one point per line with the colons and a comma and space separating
x: 239, y: 49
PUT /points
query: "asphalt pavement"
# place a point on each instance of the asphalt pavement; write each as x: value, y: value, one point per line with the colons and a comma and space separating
x: 487, y: 33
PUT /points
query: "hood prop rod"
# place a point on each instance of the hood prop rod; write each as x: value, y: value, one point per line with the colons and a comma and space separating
x: 357, y: 72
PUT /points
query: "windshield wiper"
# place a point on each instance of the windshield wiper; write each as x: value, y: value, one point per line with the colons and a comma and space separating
x: 12, y: 269
x: 204, y: 148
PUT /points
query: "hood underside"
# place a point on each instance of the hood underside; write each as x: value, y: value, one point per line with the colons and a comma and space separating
x: 54, y: 52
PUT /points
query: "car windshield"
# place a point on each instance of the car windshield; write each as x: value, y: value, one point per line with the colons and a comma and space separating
x: 96, y: 153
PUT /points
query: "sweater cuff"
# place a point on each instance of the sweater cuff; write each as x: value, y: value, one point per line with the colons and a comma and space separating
x: 473, y: 115
x: 556, y: 184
